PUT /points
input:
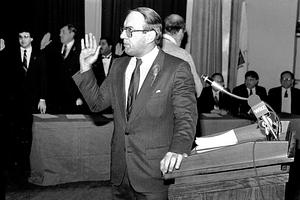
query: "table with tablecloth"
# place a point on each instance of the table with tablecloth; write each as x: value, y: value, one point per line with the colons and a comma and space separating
x: 70, y: 148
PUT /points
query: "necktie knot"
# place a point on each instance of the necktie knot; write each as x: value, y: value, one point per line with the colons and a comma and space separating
x: 286, y: 94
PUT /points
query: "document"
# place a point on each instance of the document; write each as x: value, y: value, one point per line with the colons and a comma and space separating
x: 212, y: 142
x: 75, y: 116
x: 45, y: 116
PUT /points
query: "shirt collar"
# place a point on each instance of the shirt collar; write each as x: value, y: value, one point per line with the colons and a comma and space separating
x: 149, y: 57
x: 107, y: 57
x: 28, y: 50
x: 168, y: 37
x: 69, y: 45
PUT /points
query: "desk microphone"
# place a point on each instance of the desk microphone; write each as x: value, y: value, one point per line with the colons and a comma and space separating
x: 219, y: 87
x: 262, y: 114
x: 212, y: 83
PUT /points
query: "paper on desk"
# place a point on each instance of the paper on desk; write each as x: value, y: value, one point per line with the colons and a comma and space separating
x: 211, y: 115
x: 45, y: 116
x: 224, y: 139
x: 75, y: 116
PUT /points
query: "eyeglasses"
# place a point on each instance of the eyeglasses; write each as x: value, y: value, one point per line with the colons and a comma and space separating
x: 286, y: 79
x: 129, y: 31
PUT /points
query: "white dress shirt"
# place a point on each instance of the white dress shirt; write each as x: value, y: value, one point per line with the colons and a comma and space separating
x: 147, y: 61
x: 286, y: 101
x: 28, y: 54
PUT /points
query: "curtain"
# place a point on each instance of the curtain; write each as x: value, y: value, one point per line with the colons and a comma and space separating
x: 115, y: 11
x: 234, y: 41
x: 93, y: 16
x: 206, y: 36
x: 40, y: 16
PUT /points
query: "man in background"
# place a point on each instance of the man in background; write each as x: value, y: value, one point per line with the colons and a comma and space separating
x: 26, y: 95
x: 250, y: 87
x: 102, y: 66
x: 173, y: 34
x: 213, y: 100
x: 62, y: 63
x: 285, y: 98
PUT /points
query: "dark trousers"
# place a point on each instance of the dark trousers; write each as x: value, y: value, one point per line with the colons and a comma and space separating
x: 125, y: 191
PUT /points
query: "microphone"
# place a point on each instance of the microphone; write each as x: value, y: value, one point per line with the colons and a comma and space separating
x: 220, y: 88
x: 212, y: 83
x: 262, y: 113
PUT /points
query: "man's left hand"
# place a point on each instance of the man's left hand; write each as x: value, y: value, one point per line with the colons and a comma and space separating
x: 170, y: 161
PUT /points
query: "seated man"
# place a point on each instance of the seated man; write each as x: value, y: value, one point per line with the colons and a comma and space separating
x: 284, y: 99
x: 241, y: 107
x: 212, y: 100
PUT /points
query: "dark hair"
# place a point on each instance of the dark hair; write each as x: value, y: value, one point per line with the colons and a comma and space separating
x: 72, y: 28
x: 152, y: 20
x: 252, y: 74
x: 217, y: 74
x: 287, y: 72
x: 108, y: 40
x: 173, y: 23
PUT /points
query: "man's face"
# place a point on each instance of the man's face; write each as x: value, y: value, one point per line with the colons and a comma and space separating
x: 66, y: 35
x: 251, y: 82
x: 135, y: 45
x: 218, y: 79
x: 105, y: 48
x: 25, y: 39
x: 286, y: 80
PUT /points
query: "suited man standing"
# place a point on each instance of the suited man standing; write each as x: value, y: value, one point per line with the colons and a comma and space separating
x: 173, y: 34
x: 241, y: 107
x: 102, y: 66
x: 155, y: 113
x: 63, y: 62
x: 27, y: 95
x: 285, y: 98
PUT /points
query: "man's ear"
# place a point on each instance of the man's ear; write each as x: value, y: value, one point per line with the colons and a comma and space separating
x: 150, y: 36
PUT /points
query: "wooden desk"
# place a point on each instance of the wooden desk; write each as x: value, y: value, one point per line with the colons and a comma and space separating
x: 70, y: 149
x: 249, y: 170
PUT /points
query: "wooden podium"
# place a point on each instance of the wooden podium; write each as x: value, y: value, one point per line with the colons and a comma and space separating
x: 255, y: 170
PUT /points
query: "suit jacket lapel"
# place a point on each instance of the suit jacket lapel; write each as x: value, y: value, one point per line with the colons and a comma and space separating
x: 148, y: 85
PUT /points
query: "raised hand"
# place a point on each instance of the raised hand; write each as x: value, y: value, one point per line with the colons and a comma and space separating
x: 119, y: 49
x: 45, y: 41
x: 2, y: 44
x: 89, y: 52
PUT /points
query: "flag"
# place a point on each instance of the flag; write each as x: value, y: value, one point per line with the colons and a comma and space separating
x: 242, y: 66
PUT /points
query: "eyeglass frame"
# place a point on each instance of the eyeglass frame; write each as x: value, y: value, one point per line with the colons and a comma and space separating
x: 129, y: 31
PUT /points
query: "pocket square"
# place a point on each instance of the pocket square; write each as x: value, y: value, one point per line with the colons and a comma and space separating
x: 157, y: 91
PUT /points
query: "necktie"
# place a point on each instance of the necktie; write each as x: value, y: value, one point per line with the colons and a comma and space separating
x: 25, y: 60
x: 250, y: 92
x: 64, y: 53
x: 216, y: 101
x: 133, y: 87
x: 286, y: 94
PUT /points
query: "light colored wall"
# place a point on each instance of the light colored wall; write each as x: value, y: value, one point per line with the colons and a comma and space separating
x: 271, y: 32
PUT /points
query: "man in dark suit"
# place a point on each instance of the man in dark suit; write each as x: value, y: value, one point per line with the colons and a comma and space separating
x: 102, y: 66
x: 27, y: 95
x: 63, y: 62
x: 155, y: 114
x: 212, y: 100
x: 285, y: 98
x: 241, y: 107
